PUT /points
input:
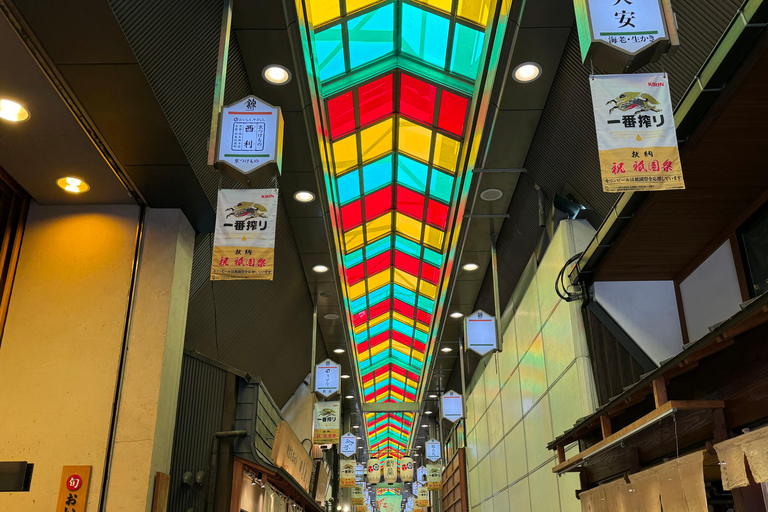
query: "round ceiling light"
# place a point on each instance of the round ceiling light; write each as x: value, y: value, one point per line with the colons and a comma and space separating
x: 527, y: 72
x: 304, y: 196
x: 446, y: 349
x: 276, y: 74
x: 427, y: 412
x: 491, y: 194
x: 332, y: 316
x: 456, y: 314
x: 425, y: 426
x: 348, y: 397
x: 432, y: 396
x: 73, y: 185
x: 418, y: 447
x: 12, y: 111
x: 345, y: 376
x: 338, y: 350
x: 471, y: 267
x: 355, y: 426
x: 320, y: 269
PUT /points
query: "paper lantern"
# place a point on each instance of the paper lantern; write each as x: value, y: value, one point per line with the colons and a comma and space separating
x: 406, y: 469
x: 374, y: 471
x: 390, y: 470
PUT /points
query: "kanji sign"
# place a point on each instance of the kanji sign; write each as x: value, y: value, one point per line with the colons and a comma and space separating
x: 421, y: 476
x: 432, y: 448
x: 289, y: 454
x: 620, y: 36
x: 422, y: 498
x: 250, y: 138
x: 327, y: 422
x: 348, y: 444
x: 374, y: 471
x: 73, y: 489
x: 406, y: 469
x: 327, y: 378
x: 636, y: 134
x: 358, y: 495
x: 389, y: 466
x: 244, y: 238
x: 434, y: 477
x: 451, y: 406
x: 347, y: 473
x: 480, y: 332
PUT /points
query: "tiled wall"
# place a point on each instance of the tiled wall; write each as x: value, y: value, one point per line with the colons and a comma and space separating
x: 519, y: 399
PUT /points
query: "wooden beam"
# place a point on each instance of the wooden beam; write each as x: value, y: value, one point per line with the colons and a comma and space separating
x: 660, y: 391
x: 680, y: 405
x: 560, y: 454
x: 605, y: 425
x: 719, y: 428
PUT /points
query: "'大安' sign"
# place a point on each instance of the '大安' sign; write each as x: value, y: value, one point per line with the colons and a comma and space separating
x: 480, y: 332
x: 432, y: 447
x: 636, y: 134
x: 327, y: 378
x: 244, y: 241
x: 250, y: 140
x: 620, y: 36
x: 327, y: 422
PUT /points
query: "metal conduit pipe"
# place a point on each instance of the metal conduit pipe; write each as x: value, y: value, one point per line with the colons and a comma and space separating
x: 213, y: 467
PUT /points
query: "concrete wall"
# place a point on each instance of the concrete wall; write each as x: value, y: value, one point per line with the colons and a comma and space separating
x: 524, y: 396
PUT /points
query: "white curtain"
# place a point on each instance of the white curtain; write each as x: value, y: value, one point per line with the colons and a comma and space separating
x: 753, y: 445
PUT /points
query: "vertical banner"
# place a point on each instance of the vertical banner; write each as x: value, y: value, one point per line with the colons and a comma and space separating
x: 327, y: 423
x: 636, y: 135
x: 358, y: 495
x: 389, y: 466
x: 73, y: 488
x: 422, y: 498
x: 244, y: 241
x: 421, y: 474
x: 347, y: 473
x: 434, y: 477
x: 406, y: 469
x: 374, y: 471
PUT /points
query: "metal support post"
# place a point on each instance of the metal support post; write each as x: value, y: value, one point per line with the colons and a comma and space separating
x: 463, y: 379
x: 221, y: 76
x: 496, y: 303
x: 314, y: 347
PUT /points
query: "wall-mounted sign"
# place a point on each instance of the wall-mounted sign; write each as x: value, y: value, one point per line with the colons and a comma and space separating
x: 422, y: 498
x: 389, y: 468
x: 434, y: 477
x: 358, y: 495
x: 480, y: 332
x: 421, y: 476
x: 636, y: 134
x: 327, y: 422
x: 323, y: 475
x: 432, y: 447
x: 620, y: 36
x: 406, y: 469
x: 451, y: 406
x: 289, y: 454
x: 244, y: 238
x: 327, y: 378
x: 373, y: 471
x: 250, y: 142
x: 348, y: 445
x: 73, y: 489
x: 347, y: 473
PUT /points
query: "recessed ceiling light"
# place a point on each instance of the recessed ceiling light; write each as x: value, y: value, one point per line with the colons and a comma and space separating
x: 304, y: 196
x: 432, y: 396
x: 74, y: 185
x: 427, y: 412
x: 276, y: 74
x: 425, y: 426
x: 418, y: 447
x: 349, y: 396
x: 345, y: 376
x: 470, y: 267
x: 320, y: 269
x: 446, y: 349
x: 456, y: 314
x: 491, y: 194
x: 360, y: 438
x: 355, y: 426
x: 338, y: 350
x: 527, y: 72
x: 332, y: 316
x: 12, y: 111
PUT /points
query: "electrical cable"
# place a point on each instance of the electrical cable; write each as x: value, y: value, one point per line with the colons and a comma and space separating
x: 566, y: 295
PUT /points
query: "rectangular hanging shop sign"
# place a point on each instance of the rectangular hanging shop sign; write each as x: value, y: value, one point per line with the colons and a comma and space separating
x: 358, y: 495
x: 347, y: 473
x: 289, y: 454
x: 432, y: 448
x: 434, y: 477
x: 451, y: 406
x: 480, y: 333
x: 73, y: 489
x: 636, y: 134
x: 244, y: 241
x: 422, y: 498
x: 327, y: 423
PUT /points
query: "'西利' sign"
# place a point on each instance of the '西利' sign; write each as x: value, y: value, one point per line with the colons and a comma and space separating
x: 250, y: 142
x: 432, y: 447
x: 327, y: 378
x: 348, y: 445
x: 451, y: 406
x: 244, y: 238
x: 620, y: 36
x: 327, y: 422
x: 480, y: 332
x: 636, y: 135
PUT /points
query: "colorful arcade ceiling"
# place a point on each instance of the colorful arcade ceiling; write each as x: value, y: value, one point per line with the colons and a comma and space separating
x: 395, y: 85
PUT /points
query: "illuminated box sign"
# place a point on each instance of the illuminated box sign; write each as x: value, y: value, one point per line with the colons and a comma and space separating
x: 620, y: 36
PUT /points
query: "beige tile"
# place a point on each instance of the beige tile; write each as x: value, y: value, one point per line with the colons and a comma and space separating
x: 491, y: 378
x: 478, y: 392
x: 482, y: 437
x: 511, y: 402
x: 533, y: 377
x: 514, y: 447
x: 566, y: 401
x: 474, y: 487
x: 568, y: 483
x: 557, y: 333
x: 553, y: 260
x: 520, y: 497
x: 469, y: 403
x: 508, y: 356
x: 495, y: 423
x: 498, y: 468
x: 487, y: 506
x: 538, y: 433
x: 501, y: 502
x: 484, y: 477
x: 543, y: 484
x: 527, y: 318
x: 472, y: 449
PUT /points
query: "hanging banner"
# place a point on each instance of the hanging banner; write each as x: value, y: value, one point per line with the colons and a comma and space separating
x: 348, y: 445
x: 327, y: 422
x: 358, y: 495
x: 361, y: 508
x: 421, y: 475
x: 389, y: 467
x: 434, y: 477
x: 347, y: 473
x: 480, y: 333
x: 244, y: 238
x: 432, y: 447
x: 327, y: 378
x: 374, y: 471
x: 406, y: 469
x: 636, y: 134
x: 451, y: 406
x: 422, y: 498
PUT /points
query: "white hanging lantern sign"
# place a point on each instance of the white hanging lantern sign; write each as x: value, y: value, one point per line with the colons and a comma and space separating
x: 451, y: 406
x: 373, y: 471
x: 390, y: 470
x: 433, y: 449
x: 348, y: 445
x: 480, y: 333
x: 406, y: 469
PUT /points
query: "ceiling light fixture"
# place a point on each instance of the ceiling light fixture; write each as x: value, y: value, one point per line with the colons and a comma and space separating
x: 276, y: 74
x: 446, y: 349
x: 456, y: 314
x: 332, y: 316
x: 418, y: 447
x: 527, y: 72
x: 432, y: 396
x: 304, y: 196
x: 12, y: 111
x: 427, y: 412
x: 349, y: 396
x: 355, y: 426
x: 320, y: 269
x: 425, y: 426
x: 73, y: 185
x: 491, y: 194
x: 338, y: 350
x: 470, y: 267
x: 345, y: 376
